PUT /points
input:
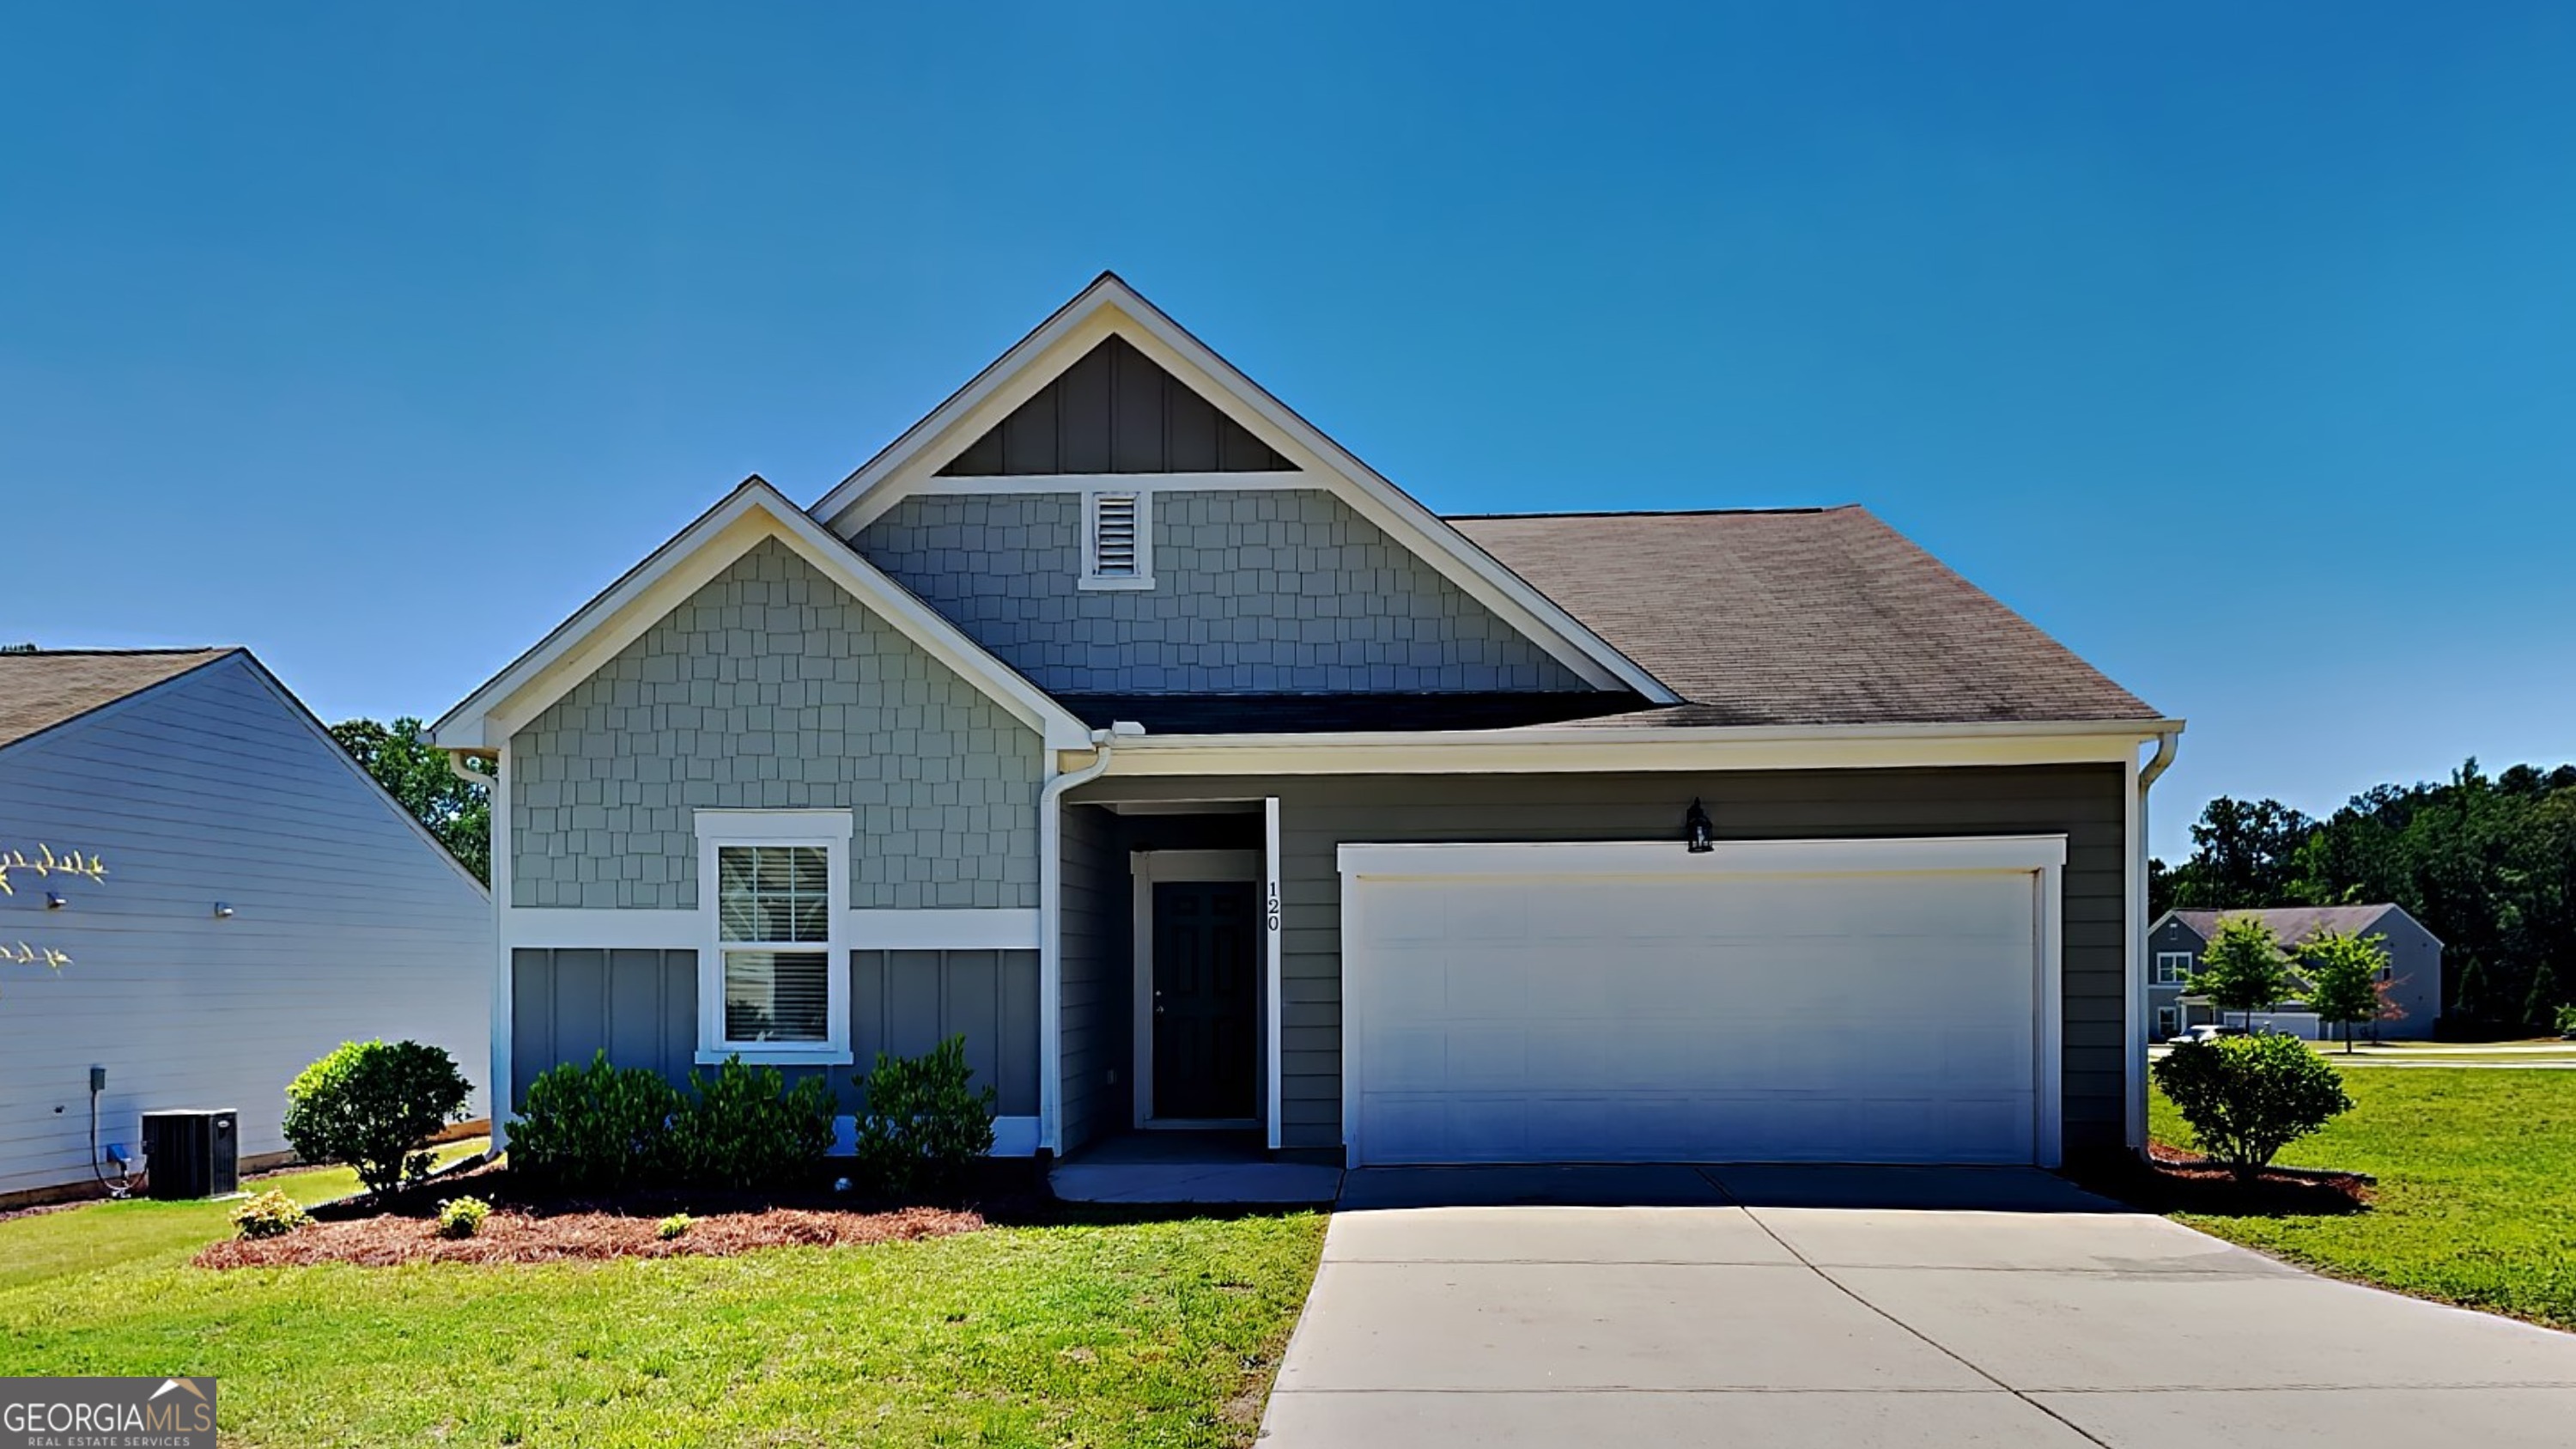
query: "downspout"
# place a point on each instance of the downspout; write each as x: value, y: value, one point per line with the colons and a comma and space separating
x: 2167, y: 742
x: 1051, y: 930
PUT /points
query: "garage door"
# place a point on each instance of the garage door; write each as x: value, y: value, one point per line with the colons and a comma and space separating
x: 1869, y: 1001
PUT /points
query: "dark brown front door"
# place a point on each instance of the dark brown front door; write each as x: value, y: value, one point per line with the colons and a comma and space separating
x: 1204, y: 989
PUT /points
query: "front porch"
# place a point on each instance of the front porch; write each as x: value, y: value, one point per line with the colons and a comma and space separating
x: 1190, y: 1167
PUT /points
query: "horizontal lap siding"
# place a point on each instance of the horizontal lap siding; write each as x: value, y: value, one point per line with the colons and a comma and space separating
x: 1319, y: 814
x: 1096, y: 892
x: 347, y: 922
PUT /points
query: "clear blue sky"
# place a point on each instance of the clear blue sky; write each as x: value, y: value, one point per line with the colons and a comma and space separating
x: 2237, y: 349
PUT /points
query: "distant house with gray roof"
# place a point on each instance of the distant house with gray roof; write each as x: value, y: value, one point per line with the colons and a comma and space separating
x: 2414, y: 970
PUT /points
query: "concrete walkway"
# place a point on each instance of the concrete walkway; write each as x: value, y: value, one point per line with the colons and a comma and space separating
x: 1854, y: 1307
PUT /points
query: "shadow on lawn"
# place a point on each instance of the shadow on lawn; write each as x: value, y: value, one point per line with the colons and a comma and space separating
x: 2176, y: 1182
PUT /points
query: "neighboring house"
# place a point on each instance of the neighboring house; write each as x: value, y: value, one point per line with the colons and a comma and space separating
x: 2414, y: 970
x: 264, y: 901
x: 1117, y: 718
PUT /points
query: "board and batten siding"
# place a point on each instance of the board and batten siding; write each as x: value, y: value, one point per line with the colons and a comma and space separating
x: 1320, y: 814
x: 348, y: 921
x: 1255, y: 591
x: 641, y: 1008
x: 771, y: 688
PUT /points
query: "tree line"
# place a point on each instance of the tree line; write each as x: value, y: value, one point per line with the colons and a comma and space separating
x: 2487, y: 863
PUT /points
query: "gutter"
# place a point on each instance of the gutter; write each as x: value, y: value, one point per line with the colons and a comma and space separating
x: 1051, y: 928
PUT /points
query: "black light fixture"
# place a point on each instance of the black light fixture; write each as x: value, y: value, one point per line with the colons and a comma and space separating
x: 1697, y: 823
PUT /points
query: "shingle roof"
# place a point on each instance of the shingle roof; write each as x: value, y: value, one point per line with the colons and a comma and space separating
x: 1810, y: 616
x: 2292, y: 924
x: 47, y: 687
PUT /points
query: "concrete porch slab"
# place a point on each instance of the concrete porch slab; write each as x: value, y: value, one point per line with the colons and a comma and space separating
x: 1282, y: 1184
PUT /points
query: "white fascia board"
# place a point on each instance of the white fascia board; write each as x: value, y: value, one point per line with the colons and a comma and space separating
x: 1602, y: 750
x: 1109, y: 305
x: 751, y: 513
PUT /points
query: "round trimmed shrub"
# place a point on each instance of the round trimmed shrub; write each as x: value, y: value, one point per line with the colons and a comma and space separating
x: 595, y: 1128
x: 462, y: 1217
x: 375, y: 1106
x: 2247, y: 1097
x: 746, y: 1128
x: 272, y: 1214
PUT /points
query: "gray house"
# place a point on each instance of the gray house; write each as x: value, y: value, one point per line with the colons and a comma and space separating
x: 261, y: 900
x: 1117, y: 718
x: 2413, y: 974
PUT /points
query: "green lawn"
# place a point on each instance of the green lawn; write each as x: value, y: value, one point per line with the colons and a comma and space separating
x: 2477, y: 1189
x: 1100, y: 1333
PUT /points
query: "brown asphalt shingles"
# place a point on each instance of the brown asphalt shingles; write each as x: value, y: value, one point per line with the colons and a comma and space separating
x: 51, y: 686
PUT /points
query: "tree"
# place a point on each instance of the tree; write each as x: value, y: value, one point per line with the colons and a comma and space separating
x: 2346, y: 979
x: 457, y: 813
x: 2243, y: 968
x: 2245, y: 853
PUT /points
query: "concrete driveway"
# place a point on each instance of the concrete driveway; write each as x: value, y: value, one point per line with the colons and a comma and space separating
x: 1854, y: 1306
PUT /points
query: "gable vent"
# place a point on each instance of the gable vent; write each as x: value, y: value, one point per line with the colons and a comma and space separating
x: 1115, y: 548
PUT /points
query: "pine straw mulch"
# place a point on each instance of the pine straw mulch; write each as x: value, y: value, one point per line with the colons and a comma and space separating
x: 2180, y: 1182
x: 386, y: 1240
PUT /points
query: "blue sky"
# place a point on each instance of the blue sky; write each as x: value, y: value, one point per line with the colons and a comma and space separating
x: 2234, y: 348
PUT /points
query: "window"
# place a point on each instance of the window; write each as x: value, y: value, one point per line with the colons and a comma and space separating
x: 2168, y: 1023
x: 769, y: 900
x: 2173, y: 968
x: 774, y: 986
x: 1117, y: 540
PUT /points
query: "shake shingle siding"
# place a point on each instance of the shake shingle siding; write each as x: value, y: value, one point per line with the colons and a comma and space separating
x: 1258, y: 591
x: 1319, y: 814
x: 772, y: 689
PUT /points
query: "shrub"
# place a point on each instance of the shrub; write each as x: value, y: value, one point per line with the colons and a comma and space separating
x: 2247, y: 1097
x: 747, y: 1128
x: 375, y: 1106
x: 462, y: 1217
x: 924, y: 1126
x: 2567, y: 1022
x: 672, y: 1226
x: 270, y: 1215
x: 595, y: 1128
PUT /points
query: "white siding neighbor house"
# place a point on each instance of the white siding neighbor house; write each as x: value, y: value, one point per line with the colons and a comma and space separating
x: 263, y: 901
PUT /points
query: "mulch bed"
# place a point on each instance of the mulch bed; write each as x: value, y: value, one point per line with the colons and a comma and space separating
x: 385, y: 1240
x: 2179, y: 1182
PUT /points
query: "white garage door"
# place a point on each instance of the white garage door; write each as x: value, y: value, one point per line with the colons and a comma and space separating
x: 1872, y: 1001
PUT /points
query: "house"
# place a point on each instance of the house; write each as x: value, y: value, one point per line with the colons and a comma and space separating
x: 1118, y: 719
x: 262, y: 901
x: 2413, y: 973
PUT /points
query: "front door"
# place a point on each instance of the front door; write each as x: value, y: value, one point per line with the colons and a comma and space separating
x: 1206, y: 976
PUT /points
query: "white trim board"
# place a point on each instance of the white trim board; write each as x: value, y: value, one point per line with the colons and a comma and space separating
x: 681, y: 930
x: 1145, y: 868
x: 1110, y: 307
x: 752, y: 513
x: 2042, y: 856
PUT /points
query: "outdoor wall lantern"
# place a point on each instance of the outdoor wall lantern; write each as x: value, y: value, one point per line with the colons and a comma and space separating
x: 1697, y: 823
x: 223, y: 911
x: 54, y: 901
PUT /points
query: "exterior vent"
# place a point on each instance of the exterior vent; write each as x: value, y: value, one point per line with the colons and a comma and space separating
x: 1117, y: 541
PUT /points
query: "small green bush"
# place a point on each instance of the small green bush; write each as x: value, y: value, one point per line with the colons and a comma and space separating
x: 462, y: 1217
x: 2247, y: 1097
x: 375, y: 1107
x: 746, y: 1128
x: 2567, y: 1022
x: 924, y: 1126
x: 270, y: 1215
x: 673, y: 1226
x: 595, y: 1128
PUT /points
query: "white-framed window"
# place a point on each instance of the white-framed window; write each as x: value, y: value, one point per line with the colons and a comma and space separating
x: 2168, y: 1023
x: 774, y: 979
x: 2173, y: 968
x: 1118, y: 539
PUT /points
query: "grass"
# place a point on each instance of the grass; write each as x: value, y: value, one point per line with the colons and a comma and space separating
x: 2476, y: 1201
x: 76, y: 1240
x: 1109, y: 1332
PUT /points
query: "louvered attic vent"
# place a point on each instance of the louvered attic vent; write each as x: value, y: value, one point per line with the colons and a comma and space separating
x: 1115, y: 549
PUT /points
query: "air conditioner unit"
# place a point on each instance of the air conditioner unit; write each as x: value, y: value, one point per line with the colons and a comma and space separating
x: 192, y: 1153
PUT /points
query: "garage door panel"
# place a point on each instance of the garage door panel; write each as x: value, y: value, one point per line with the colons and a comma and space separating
x: 1879, y: 1017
